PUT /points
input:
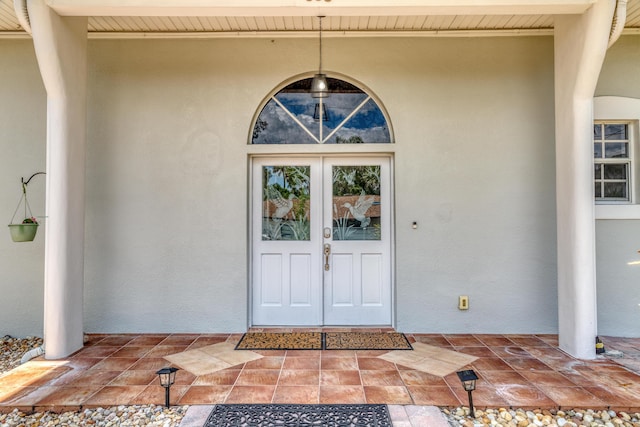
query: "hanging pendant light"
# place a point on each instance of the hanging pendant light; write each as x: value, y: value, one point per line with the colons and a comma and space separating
x: 319, y: 86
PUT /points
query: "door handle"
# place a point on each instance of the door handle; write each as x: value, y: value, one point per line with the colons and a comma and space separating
x: 327, y: 252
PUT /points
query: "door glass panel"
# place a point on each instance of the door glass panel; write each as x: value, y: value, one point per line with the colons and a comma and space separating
x: 285, y: 202
x: 356, y: 202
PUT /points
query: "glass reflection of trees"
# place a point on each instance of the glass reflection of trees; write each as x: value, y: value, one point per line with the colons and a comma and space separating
x: 347, y: 116
x: 286, y: 203
x: 356, y: 203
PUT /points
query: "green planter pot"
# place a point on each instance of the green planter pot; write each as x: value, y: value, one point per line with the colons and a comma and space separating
x: 23, y: 232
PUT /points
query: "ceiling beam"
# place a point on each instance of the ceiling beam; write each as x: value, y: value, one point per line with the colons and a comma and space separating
x: 316, y: 7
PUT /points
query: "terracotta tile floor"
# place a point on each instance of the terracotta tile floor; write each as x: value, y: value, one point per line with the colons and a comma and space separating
x: 526, y: 371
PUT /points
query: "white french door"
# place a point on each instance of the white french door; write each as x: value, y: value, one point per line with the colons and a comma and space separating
x: 321, y: 241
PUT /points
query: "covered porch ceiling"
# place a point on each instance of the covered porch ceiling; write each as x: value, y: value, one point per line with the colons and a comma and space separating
x: 297, y: 18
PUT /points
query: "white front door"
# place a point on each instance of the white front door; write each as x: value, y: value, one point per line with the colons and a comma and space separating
x: 321, y: 232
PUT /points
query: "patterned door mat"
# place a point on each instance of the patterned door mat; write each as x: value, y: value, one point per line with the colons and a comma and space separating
x: 280, y: 341
x: 366, y: 341
x: 267, y: 415
x: 324, y: 341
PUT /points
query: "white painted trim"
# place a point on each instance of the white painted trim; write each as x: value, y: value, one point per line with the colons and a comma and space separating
x: 617, y: 211
x: 298, y: 34
x: 314, y: 8
x: 616, y: 108
x: 329, y: 34
x: 514, y: 32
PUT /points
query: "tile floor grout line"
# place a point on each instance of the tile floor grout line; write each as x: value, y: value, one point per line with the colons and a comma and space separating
x: 235, y: 383
x: 319, y: 378
x: 364, y: 394
x: 273, y: 396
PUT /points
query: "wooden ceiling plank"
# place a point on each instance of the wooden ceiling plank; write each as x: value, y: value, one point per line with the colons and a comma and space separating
x: 445, y: 23
x: 188, y: 23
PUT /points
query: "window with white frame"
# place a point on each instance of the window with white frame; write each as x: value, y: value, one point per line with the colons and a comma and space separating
x: 612, y: 161
x: 616, y: 140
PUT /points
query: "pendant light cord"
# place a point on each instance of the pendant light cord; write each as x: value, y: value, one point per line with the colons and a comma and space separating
x: 320, y: 67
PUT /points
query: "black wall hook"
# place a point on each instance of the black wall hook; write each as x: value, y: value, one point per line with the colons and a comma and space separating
x: 25, y: 183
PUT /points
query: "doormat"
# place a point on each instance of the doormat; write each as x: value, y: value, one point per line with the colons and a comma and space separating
x: 280, y: 341
x: 268, y: 415
x: 366, y: 341
x: 324, y: 341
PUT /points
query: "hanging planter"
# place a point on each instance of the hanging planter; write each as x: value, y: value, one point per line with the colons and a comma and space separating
x: 23, y: 232
x: 27, y: 229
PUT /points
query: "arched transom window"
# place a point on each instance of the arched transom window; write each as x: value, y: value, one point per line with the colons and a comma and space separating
x: 347, y: 116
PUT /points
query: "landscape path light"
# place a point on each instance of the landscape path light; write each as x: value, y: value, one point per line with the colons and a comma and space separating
x: 468, y: 379
x: 167, y: 378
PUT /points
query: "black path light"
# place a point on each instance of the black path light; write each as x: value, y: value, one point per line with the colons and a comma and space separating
x: 167, y: 378
x: 468, y: 379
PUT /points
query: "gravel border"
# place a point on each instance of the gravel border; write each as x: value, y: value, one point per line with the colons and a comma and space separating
x: 12, y: 350
x: 538, y: 418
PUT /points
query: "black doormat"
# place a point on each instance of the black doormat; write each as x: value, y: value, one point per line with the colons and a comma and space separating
x: 271, y: 415
x: 324, y: 341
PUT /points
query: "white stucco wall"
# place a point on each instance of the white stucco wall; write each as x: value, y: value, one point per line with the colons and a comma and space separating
x: 475, y: 167
x: 166, y: 185
x: 621, y: 69
x: 618, y: 240
x: 166, y: 242
x: 166, y: 219
x: 618, y: 282
x: 22, y: 148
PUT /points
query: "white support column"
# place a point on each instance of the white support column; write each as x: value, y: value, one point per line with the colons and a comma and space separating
x: 61, y: 48
x: 580, y: 47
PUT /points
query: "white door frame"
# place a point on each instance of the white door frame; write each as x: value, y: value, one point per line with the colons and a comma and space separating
x: 285, y: 159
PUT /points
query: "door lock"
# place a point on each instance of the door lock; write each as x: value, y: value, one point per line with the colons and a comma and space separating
x: 327, y: 252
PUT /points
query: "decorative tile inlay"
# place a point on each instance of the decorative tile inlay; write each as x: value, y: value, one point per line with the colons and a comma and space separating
x: 205, y: 360
x: 430, y: 359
